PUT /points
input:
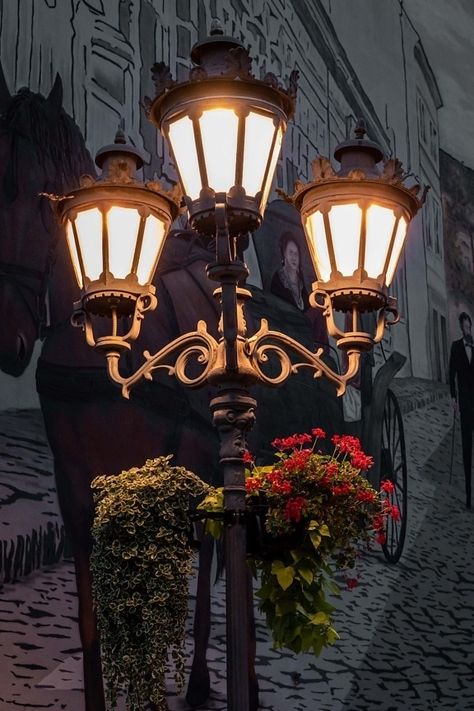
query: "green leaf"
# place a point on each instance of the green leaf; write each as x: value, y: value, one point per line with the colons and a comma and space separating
x: 214, y: 528
x: 296, y: 555
x: 306, y: 574
x: 315, y: 539
x: 313, y: 526
x: 331, y: 635
x: 277, y: 565
x: 332, y: 586
x: 318, y: 646
x: 320, y: 618
x: 324, y: 530
x: 285, y: 576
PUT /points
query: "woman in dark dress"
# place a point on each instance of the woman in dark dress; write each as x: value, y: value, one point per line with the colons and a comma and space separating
x: 287, y: 282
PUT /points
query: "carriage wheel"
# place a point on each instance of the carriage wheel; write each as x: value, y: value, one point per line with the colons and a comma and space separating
x: 394, y: 468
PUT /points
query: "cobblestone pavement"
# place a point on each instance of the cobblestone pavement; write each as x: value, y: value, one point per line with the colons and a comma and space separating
x: 406, y: 631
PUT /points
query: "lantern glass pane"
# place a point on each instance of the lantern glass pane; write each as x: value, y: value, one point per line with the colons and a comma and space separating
x: 89, y: 232
x: 397, y: 249
x: 71, y: 243
x: 181, y: 135
x: 153, y: 237
x: 259, y: 132
x: 345, y: 222
x: 122, y: 225
x: 219, y: 128
x: 380, y: 222
x: 318, y: 247
x: 271, y: 171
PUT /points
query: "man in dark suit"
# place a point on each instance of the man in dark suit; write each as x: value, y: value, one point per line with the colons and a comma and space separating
x: 461, y: 374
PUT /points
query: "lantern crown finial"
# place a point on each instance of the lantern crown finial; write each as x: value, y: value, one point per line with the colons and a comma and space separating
x: 216, y: 27
x: 119, y: 154
x: 359, y: 153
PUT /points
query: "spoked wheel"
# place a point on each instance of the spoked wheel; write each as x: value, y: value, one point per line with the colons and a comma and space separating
x: 394, y: 468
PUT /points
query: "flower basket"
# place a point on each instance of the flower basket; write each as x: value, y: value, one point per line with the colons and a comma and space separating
x: 309, y: 515
x: 261, y: 544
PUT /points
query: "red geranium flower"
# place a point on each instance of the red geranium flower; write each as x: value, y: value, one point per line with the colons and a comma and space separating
x: 248, y: 458
x: 387, y: 486
x: 362, y: 461
x: 318, y: 432
x: 252, y: 483
x: 365, y: 495
x: 381, y: 538
x: 351, y: 583
x: 294, y: 508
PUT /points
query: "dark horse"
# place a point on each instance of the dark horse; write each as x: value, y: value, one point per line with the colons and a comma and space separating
x: 90, y: 427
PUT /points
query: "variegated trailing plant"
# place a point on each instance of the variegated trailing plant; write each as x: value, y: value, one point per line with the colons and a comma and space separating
x: 140, y: 564
x: 315, y: 513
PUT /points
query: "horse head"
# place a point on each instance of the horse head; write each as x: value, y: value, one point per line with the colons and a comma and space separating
x: 41, y: 151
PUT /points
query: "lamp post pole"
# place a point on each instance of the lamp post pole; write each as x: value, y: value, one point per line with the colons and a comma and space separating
x: 233, y: 412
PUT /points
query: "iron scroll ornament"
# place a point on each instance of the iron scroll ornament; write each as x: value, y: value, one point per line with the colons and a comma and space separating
x: 197, y: 347
x: 266, y: 343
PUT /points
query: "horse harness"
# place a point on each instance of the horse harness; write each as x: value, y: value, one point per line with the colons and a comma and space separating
x: 32, y: 286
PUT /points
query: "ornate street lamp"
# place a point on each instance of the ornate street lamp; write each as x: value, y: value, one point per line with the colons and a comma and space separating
x: 224, y: 128
x: 115, y: 230
x: 355, y: 221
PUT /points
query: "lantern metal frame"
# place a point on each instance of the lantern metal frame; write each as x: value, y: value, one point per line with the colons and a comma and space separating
x: 361, y: 182
x: 118, y: 186
x: 221, y: 77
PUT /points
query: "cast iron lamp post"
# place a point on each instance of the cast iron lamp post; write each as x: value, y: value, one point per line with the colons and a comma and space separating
x: 224, y: 128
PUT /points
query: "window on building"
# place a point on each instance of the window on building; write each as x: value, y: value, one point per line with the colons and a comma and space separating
x: 433, y: 141
x: 437, y: 347
x: 444, y: 344
x: 436, y: 226
x: 428, y: 223
x: 421, y: 120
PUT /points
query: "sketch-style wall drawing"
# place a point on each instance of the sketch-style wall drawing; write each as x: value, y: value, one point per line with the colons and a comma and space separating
x: 102, y: 51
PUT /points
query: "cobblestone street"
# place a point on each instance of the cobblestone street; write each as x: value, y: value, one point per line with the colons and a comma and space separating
x: 406, y: 631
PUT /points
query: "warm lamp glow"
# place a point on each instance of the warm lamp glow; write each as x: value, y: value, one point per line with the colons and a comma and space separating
x: 122, y: 229
x: 89, y: 232
x: 318, y: 245
x: 259, y: 132
x: 345, y: 222
x: 396, y: 251
x: 73, y: 252
x: 271, y: 169
x: 219, y: 128
x: 380, y: 222
x: 181, y: 135
x: 128, y: 250
x: 153, y: 238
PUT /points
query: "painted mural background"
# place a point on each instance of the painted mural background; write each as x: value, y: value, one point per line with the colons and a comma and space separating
x: 406, y: 630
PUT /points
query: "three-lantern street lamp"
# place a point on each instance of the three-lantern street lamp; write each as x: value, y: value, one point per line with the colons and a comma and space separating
x: 224, y: 128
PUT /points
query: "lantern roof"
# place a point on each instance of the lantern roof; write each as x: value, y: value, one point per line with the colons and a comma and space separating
x: 119, y: 147
x: 359, y: 153
x: 207, y: 52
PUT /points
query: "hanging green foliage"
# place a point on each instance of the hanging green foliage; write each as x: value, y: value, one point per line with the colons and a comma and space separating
x: 140, y: 564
